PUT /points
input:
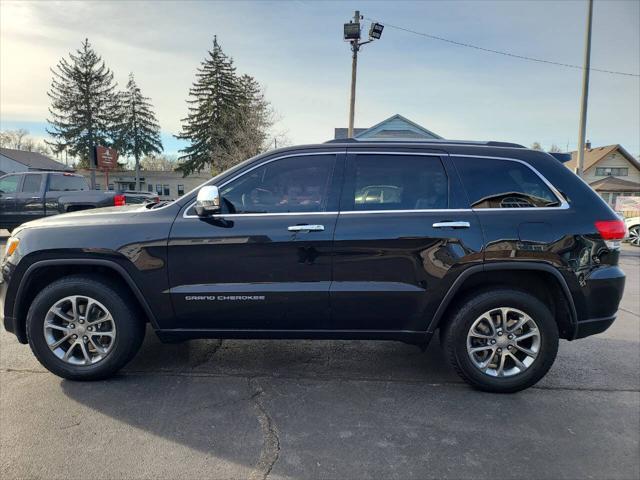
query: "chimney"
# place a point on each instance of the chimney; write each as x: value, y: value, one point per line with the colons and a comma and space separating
x: 587, y: 145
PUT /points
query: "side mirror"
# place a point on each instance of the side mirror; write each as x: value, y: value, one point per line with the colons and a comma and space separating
x: 208, y: 201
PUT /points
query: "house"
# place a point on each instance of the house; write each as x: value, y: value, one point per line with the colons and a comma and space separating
x: 168, y: 185
x: 394, y: 127
x: 611, y: 171
x: 12, y: 161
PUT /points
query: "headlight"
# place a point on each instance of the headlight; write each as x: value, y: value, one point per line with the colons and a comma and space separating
x: 12, y: 246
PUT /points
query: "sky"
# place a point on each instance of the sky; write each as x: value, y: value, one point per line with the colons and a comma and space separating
x: 295, y: 50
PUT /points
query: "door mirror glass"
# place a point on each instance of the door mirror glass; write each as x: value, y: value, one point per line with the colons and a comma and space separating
x: 208, y: 201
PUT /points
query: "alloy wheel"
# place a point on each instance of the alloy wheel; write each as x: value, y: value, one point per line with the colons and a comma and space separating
x: 634, y: 236
x: 503, y: 342
x: 79, y: 330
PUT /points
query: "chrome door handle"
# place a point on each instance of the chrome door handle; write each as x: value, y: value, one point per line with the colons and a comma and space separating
x: 306, y: 228
x: 451, y: 225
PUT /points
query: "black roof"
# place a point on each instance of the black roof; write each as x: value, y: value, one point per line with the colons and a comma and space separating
x: 34, y: 160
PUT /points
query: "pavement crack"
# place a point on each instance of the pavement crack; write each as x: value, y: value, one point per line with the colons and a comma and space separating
x: 271, y: 444
x: 629, y: 311
x: 208, y: 357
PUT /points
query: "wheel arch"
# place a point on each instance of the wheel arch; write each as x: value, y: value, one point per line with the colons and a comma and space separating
x: 43, y: 272
x: 534, y: 278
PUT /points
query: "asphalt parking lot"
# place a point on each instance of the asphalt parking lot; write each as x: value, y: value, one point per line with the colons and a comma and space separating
x: 326, y: 409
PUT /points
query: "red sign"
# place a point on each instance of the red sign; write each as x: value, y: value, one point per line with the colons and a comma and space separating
x: 107, y: 158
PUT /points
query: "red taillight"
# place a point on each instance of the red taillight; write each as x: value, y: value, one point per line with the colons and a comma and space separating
x: 119, y: 200
x: 611, y: 229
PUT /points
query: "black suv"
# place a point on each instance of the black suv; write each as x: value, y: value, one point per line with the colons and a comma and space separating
x: 501, y: 249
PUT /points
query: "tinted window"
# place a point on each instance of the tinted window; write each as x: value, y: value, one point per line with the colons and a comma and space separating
x: 9, y: 184
x: 395, y: 182
x: 31, y: 183
x: 503, y: 184
x: 65, y: 183
x: 295, y: 184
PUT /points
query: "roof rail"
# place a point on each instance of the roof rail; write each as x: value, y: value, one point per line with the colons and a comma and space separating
x: 426, y: 141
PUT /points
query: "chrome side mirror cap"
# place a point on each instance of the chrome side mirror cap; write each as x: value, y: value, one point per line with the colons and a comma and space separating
x: 208, y: 201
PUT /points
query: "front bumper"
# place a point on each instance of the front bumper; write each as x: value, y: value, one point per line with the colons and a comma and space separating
x: 593, y: 326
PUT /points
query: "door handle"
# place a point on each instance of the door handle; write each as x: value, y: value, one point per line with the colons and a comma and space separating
x: 306, y: 228
x: 451, y: 225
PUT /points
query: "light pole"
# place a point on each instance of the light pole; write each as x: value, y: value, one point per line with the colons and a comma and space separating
x: 352, y: 35
x: 585, y: 91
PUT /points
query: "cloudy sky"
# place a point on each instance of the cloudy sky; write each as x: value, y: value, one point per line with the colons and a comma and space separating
x: 295, y: 49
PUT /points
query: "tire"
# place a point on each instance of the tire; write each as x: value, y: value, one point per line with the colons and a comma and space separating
x: 471, y: 319
x: 110, y: 345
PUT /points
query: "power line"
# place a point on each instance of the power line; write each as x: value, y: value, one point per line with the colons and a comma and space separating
x: 506, y: 54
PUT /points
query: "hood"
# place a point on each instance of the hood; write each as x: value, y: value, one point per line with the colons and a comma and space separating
x: 94, y: 216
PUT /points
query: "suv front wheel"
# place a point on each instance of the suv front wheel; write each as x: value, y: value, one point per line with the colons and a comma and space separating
x: 501, y: 340
x: 82, y: 328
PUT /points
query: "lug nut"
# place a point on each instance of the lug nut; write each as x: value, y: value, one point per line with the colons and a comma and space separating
x: 72, y: 326
x: 85, y: 338
x: 499, y: 350
x: 493, y: 342
x: 81, y: 321
x: 75, y: 336
x: 510, y: 337
x: 90, y: 329
x: 499, y: 333
x: 509, y: 347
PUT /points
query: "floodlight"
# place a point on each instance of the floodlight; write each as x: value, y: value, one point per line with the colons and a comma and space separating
x: 375, y: 31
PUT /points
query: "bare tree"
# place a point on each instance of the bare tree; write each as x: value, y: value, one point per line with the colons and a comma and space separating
x: 20, y: 140
x: 555, y: 148
x: 158, y: 163
x: 536, y: 146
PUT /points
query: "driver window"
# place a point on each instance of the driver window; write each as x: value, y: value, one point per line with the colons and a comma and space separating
x: 294, y: 184
x: 9, y: 184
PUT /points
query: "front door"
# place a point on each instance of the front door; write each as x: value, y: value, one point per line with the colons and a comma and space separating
x: 402, y: 235
x: 264, y: 263
x: 9, y: 186
x: 30, y: 198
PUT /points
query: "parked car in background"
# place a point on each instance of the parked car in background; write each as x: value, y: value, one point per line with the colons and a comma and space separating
x: 500, y: 249
x: 633, y: 227
x: 135, y: 197
x: 28, y: 196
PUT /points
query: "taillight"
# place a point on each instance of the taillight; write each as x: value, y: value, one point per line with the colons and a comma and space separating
x: 611, y: 229
x: 119, y: 200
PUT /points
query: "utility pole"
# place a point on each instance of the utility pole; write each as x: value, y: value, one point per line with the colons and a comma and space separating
x: 585, y: 91
x: 352, y: 35
x: 355, y: 46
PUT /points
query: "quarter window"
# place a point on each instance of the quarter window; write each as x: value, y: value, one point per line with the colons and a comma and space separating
x: 295, y: 184
x: 395, y: 182
x: 503, y: 184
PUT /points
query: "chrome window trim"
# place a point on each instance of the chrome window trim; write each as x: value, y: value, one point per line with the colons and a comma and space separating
x: 563, y: 203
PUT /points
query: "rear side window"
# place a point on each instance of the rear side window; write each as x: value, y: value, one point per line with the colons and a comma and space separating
x: 31, y: 183
x: 65, y: 183
x: 395, y: 182
x: 503, y: 184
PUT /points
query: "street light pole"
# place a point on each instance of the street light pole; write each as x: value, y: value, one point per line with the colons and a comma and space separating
x: 354, y: 69
x: 585, y: 91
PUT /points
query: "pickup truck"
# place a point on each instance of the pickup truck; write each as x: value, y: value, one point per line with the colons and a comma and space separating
x: 28, y: 196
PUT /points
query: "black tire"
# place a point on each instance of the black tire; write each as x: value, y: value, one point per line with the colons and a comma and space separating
x: 130, y: 328
x: 454, y: 339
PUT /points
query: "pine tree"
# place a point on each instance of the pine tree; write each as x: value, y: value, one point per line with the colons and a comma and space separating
x: 213, y: 115
x: 254, y: 121
x: 139, y: 132
x: 84, y: 105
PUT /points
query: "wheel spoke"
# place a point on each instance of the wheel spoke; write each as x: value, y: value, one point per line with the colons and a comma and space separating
x: 68, y: 353
x: 85, y: 352
x: 482, y: 348
x: 526, y: 351
x: 483, y: 366
x: 104, y: 318
x: 55, y: 345
x: 53, y: 326
x: 519, y: 324
x: 532, y: 333
x: 504, y: 314
x: 63, y: 315
x: 480, y: 335
x: 99, y: 348
x: 521, y: 366
x: 501, y: 365
x: 103, y: 334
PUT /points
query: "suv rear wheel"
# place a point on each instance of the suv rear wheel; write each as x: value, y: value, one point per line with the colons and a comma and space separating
x: 501, y: 340
x: 81, y: 328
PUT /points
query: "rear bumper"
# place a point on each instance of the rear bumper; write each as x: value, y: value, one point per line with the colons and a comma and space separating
x: 602, y: 293
x: 593, y: 326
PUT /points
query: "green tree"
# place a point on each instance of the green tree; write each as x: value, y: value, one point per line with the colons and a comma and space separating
x: 139, y: 132
x: 84, y: 105
x: 255, y: 119
x: 212, y: 117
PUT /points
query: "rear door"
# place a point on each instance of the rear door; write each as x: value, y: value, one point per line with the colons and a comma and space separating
x: 30, y: 197
x: 403, y: 234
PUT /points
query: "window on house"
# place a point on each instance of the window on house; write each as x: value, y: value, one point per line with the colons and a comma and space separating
x: 166, y: 191
x: 180, y: 190
x: 111, y: 187
x: 158, y: 189
x: 612, y: 171
x: 150, y: 188
x: 98, y: 186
